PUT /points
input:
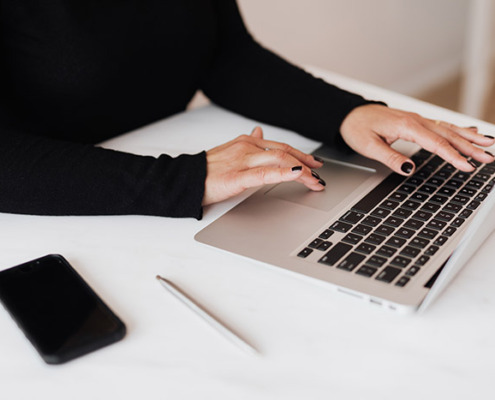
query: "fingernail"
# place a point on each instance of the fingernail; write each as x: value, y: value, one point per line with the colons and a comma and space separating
x: 318, y: 159
x: 490, y: 154
x: 472, y: 163
x: 254, y: 129
x: 472, y: 127
x: 315, y: 175
x: 322, y: 182
x: 489, y: 137
x: 407, y: 167
x: 296, y: 169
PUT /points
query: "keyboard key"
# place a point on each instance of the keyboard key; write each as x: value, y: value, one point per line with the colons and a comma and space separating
x: 419, y: 242
x: 467, y: 191
x: 452, y: 207
x: 439, y: 199
x: 384, y: 230
x: 414, y: 224
x: 456, y: 223
x: 324, y: 246
x: 427, y: 189
x: 474, y: 184
x: 405, y: 233
x: 362, y: 229
x: 418, y: 196
x: 407, y: 188
x: 388, y: 274
x: 462, y: 176
x: 389, y: 204
x: 352, y: 238
x: 351, y: 261
x: 410, y: 251
x: 365, y: 248
x: 397, y: 196
x: 411, y: 205
x: 326, y: 234
x: 430, y: 251
x: 440, y: 240
x: 341, y: 227
x: 393, y: 221
x: 428, y: 233
x: 375, y: 239
x: 388, y: 185
x: 465, y: 213
x: 380, y: 212
x: 436, y: 224
x: 481, y: 196
x: 445, y: 216
x: 422, y: 260
x: 414, y: 181
x: 352, y: 217
x: 386, y: 251
x: 480, y: 176
x: 305, y: 252
x: 315, y: 243
x: 473, y: 205
x: 402, y: 213
x: 449, y: 231
x: 446, y: 191
x: 403, y: 280
x: 435, y: 181
x: 430, y: 207
x: 395, y: 241
x: 413, y: 270
x: 372, y: 221
x: 460, y: 199
x: 377, y: 261
x: 366, y: 270
x: 454, y: 183
x: 423, y: 215
x: 335, y: 254
x: 400, y: 261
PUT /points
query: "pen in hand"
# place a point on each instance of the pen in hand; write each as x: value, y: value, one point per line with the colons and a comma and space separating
x: 213, y: 322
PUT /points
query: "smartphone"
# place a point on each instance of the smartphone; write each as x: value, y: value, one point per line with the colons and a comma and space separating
x: 57, y: 310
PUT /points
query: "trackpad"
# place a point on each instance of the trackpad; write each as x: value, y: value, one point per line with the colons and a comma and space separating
x: 342, y: 179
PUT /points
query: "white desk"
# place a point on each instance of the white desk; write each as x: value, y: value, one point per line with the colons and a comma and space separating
x: 315, y: 343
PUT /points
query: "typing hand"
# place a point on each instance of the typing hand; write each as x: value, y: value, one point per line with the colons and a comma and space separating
x: 251, y: 161
x: 371, y: 129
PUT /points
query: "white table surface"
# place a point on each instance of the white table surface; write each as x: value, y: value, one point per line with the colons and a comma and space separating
x: 314, y: 343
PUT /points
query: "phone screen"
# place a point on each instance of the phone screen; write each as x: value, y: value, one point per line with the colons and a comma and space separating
x: 57, y: 310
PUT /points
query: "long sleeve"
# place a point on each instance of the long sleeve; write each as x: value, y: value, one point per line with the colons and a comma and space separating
x: 52, y: 177
x: 249, y: 79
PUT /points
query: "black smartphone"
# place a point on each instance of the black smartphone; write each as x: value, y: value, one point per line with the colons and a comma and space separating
x: 57, y: 310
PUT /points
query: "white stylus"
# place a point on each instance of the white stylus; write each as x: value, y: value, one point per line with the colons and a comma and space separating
x: 192, y: 305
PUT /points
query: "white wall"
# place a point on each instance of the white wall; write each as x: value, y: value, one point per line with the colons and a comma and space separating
x: 403, y: 45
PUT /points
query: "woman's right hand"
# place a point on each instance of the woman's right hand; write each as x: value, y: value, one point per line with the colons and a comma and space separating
x: 251, y: 161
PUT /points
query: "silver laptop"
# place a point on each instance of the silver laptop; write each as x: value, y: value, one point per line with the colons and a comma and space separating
x: 390, y: 240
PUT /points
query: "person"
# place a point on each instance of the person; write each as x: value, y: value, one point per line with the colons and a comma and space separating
x: 73, y: 74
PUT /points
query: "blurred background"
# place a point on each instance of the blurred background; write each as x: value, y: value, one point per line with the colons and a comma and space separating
x: 440, y: 51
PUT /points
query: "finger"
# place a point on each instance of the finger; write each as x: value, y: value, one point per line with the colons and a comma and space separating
x: 416, y: 132
x: 255, y: 177
x: 305, y: 158
x: 470, y: 133
x: 462, y: 140
x: 257, y: 133
x: 282, y: 159
x: 381, y: 151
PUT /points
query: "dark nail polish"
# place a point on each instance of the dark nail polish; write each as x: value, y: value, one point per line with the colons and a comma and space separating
x: 315, y: 175
x: 489, y: 137
x: 297, y: 168
x: 472, y: 127
x: 472, y: 163
x: 318, y: 159
x: 322, y: 182
x: 407, y: 167
x: 490, y: 154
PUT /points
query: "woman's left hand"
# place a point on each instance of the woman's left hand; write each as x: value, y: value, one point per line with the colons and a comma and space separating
x: 372, y: 128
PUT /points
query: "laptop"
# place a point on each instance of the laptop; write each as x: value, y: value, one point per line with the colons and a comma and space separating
x: 389, y: 240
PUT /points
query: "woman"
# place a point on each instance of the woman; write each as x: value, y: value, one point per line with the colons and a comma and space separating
x: 77, y: 73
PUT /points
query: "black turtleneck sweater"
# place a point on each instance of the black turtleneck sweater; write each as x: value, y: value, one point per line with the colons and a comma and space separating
x: 74, y: 73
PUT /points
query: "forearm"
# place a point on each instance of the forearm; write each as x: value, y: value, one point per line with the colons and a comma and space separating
x: 48, y: 177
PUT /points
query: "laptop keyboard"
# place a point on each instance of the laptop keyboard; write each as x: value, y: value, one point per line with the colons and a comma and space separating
x: 392, y: 232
